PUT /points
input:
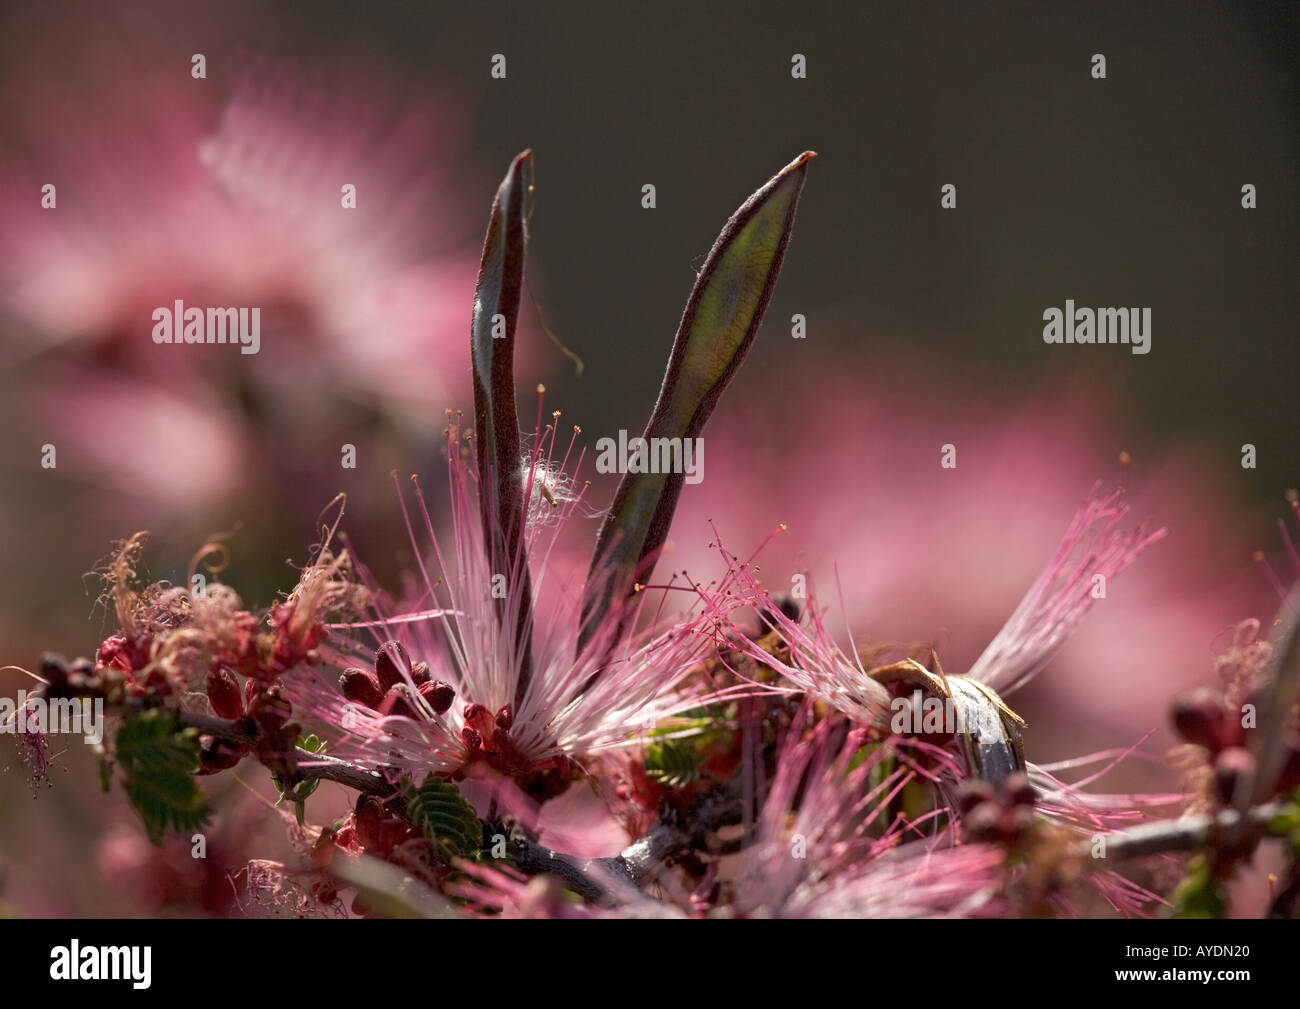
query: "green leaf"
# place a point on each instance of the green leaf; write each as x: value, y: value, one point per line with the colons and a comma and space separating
x: 492, y: 348
x: 303, y: 790
x: 719, y: 324
x: 671, y: 763
x: 157, y: 758
x: 1199, y: 895
x: 447, y: 821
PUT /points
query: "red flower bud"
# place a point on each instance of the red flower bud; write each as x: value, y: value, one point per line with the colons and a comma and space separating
x: 223, y: 692
x: 1199, y: 717
x: 390, y: 663
x: 1230, y: 767
x: 397, y: 703
x: 361, y: 687
x: 439, y: 695
x: 220, y: 755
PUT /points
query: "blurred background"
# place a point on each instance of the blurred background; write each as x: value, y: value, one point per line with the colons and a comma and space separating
x: 924, y: 325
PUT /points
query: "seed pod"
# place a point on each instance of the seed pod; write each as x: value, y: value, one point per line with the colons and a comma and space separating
x: 420, y: 673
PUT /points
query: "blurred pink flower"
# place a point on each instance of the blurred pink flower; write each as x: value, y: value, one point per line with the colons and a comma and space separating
x: 161, y: 198
x: 907, y: 550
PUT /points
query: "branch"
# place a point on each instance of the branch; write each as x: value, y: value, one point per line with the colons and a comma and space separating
x: 1226, y: 828
x: 643, y: 858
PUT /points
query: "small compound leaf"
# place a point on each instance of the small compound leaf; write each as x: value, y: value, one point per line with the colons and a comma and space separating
x: 158, y: 759
x: 446, y: 819
x: 672, y: 763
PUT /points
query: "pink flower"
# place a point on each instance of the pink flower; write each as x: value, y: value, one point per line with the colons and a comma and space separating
x: 847, y: 453
x: 456, y: 701
x: 825, y: 844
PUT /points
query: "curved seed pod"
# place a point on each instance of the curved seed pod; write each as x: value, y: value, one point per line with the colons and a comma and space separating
x: 492, y: 345
x: 717, y: 328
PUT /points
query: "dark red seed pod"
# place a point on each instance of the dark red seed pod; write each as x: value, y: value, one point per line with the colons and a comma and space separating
x: 1230, y: 767
x: 1199, y: 717
x: 420, y: 673
x: 390, y: 663
x: 224, y: 693
x: 439, y: 695
x: 361, y: 687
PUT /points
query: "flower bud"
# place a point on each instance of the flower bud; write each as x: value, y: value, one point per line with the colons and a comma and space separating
x: 224, y: 694
x: 1230, y: 767
x: 361, y: 687
x: 439, y: 695
x: 1199, y: 717
x: 390, y: 663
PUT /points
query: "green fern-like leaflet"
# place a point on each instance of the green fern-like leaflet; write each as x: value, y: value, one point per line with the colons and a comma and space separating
x: 448, y: 822
x: 157, y: 758
x: 672, y: 763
